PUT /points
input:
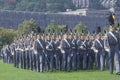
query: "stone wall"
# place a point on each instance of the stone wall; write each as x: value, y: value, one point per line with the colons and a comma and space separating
x: 11, y: 19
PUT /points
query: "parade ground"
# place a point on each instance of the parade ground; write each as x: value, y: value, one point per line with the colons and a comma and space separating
x: 8, y: 72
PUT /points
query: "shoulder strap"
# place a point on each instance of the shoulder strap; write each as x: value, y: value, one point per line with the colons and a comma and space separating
x: 113, y: 36
x: 84, y: 43
x: 67, y: 42
x: 39, y: 43
x: 99, y: 42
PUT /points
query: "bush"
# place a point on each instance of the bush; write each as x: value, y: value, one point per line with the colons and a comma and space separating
x: 28, y: 26
x: 6, y: 36
x: 54, y: 28
x: 80, y: 28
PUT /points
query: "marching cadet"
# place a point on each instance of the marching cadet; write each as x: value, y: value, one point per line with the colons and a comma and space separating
x: 22, y: 53
x: 98, y: 47
x: 3, y: 53
x: 50, y: 52
x: 26, y: 45
x: 53, y: 39
x: 8, y: 54
x: 74, y: 51
x: 57, y: 52
x: 83, y: 51
x: 90, y: 52
x: 34, y: 54
x: 39, y: 47
x: 65, y: 50
x: 69, y: 54
x: 16, y: 55
x: 31, y: 54
x: 12, y: 48
x: 112, y: 46
x: 78, y: 53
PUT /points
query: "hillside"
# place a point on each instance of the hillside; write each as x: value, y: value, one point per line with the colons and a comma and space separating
x: 36, y: 5
x: 51, y: 5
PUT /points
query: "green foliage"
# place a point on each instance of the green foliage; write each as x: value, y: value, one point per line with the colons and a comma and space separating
x: 80, y: 28
x: 6, y: 36
x: 46, y: 5
x: 28, y: 26
x: 54, y: 28
x: 51, y: 27
x: 58, y: 5
x: 36, y: 5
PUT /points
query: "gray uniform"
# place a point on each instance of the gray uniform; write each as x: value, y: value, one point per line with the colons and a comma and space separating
x: 99, y: 55
x: 50, y: 54
x: 113, y: 42
x: 66, y: 55
x: 40, y: 54
x: 74, y: 52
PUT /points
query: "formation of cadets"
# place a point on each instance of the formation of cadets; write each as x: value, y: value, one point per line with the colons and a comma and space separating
x: 67, y: 52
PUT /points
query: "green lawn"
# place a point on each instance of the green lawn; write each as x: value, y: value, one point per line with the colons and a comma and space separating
x: 8, y: 72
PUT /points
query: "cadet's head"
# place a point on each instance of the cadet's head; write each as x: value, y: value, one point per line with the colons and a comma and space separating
x: 82, y: 37
x: 70, y: 36
x: 98, y: 36
x: 48, y: 37
x: 87, y: 37
x: 60, y: 37
x: 75, y: 36
x: 65, y: 36
x: 38, y: 36
x: 111, y: 28
x: 34, y: 37
x: 53, y: 36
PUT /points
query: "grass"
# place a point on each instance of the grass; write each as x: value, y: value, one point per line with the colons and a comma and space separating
x: 8, y: 72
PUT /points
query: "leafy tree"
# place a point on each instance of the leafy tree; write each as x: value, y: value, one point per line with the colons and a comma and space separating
x: 80, y: 28
x: 54, y: 28
x: 7, y: 36
x: 28, y: 26
x: 51, y: 27
x: 36, y: 5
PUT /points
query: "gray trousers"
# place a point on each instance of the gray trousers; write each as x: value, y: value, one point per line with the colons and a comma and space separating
x: 41, y: 62
x: 99, y: 58
x: 114, y: 52
x: 74, y: 59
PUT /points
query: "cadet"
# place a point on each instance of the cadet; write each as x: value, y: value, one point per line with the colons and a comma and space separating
x: 78, y: 53
x: 40, y: 52
x: 22, y: 54
x: 50, y: 52
x: 112, y: 45
x: 98, y: 47
x: 34, y: 54
x: 83, y: 51
x: 65, y: 50
x: 8, y: 54
x: 74, y: 51
x: 16, y: 55
x: 57, y: 53
x: 90, y: 53
x: 3, y: 53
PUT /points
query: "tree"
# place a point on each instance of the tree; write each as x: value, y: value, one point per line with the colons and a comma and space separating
x: 28, y: 26
x: 80, y: 28
x: 51, y: 27
x: 54, y: 28
x: 6, y: 36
